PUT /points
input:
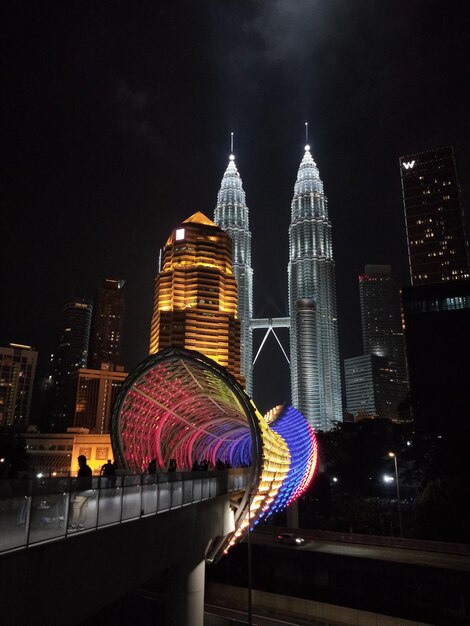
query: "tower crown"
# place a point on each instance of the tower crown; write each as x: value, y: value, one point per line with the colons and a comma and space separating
x: 199, y: 218
x: 308, y: 176
x: 231, y: 209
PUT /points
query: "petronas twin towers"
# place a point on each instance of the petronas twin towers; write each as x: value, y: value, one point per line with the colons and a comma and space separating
x: 314, y: 358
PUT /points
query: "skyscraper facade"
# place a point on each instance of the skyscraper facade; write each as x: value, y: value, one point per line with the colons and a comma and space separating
x: 17, y: 370
x: 195, y: 304
x: 382, y: 330
x: 107, y: 324
x: 231, y: 215
x: 71, y: 354
x: 311, y: 275
x: 371, y: 388
x: 380, y: 300
x: 95, y: 392
x: 437, y: 242
x: 437, y: 331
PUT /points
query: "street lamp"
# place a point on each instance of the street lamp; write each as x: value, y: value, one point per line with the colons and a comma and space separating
x: 394, y: 457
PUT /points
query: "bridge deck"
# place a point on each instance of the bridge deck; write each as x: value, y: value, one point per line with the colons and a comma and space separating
x: 34, y: 512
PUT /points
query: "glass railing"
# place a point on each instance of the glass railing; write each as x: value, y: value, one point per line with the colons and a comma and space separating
x: 40, y: 510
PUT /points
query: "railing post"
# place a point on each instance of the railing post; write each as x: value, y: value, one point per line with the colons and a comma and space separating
x: 156, y: 479
x: 122, y: 496
x: 98, y: 497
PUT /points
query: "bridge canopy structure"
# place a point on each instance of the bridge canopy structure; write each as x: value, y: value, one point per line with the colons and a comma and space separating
x: 181, y: 407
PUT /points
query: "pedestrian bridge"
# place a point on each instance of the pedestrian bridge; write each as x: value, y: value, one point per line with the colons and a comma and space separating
x: 142, y: 527
x: 35, y: 511
x: 176, y: 408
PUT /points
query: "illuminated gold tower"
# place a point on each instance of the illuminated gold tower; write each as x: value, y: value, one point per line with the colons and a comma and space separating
x: 195, y: 305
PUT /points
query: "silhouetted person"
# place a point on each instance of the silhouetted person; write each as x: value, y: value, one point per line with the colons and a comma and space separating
x: 83, y: 492
x: 172, y: 465
x: 152, y: 468
x: 108, y: 474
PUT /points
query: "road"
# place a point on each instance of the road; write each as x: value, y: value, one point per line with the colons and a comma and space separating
x: 460, y: 562
x: 257, y: 620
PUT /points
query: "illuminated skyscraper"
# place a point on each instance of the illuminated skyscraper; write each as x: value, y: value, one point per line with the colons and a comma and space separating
x: 107, y: 324
x: 195, y: 305
x: 315, y: 367
x: 435, y: 227
x: 231, y: 215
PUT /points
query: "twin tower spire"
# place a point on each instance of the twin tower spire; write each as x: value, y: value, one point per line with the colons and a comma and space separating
x: 314, y: 356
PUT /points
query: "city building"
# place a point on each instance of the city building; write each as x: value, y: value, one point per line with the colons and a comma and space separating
x: 231, y: 215
x: 437, y: 331
x: 382, y: 327
x: 95, y: 392
x: 71, y: 355
x: 107, y: 325
x: 435, y: 223
x: 55, y: 454
x: 311, y: 273
x: 380, y: 301
x: 17, y: 371
x: 195, y: 304
x: 370, y: 385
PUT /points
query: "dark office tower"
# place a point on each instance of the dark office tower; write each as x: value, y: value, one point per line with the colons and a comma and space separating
x: 231, y: 215
x: 17, y: 370
x: 380, y: 299
x: 71, y: 354
x: 315, y: 368
x: 437, y: 244
x: 107, y: 324
x: 382, y: 325
x: 437, y: 331
x: 371, y: 389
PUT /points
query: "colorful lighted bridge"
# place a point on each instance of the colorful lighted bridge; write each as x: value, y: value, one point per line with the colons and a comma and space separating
x: 181, y: 405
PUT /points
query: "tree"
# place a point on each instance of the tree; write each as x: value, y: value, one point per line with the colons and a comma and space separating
x: 13, y: 454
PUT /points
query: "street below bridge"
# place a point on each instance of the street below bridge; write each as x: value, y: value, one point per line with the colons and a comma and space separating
x: 422, y: 582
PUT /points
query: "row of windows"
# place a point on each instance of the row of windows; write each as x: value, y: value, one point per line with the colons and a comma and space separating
x: 44, y: 446
x: 439, y: 304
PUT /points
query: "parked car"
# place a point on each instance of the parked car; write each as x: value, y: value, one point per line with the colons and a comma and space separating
x: 290, y: 539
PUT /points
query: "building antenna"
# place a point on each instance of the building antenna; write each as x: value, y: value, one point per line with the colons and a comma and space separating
x: 306, y: 132
x: 231, y: 143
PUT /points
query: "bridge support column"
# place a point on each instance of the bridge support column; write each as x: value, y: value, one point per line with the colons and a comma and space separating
x: 293, y: 515
x: 185, y: 594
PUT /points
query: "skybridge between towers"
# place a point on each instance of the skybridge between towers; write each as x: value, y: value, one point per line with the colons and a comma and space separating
x: 269, y: 324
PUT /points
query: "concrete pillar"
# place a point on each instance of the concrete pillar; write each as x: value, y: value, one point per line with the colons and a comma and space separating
x: 293, y: 515
x: 185, y: 594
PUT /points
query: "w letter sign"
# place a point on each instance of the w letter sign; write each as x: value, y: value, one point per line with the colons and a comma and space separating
x: 409, y: 165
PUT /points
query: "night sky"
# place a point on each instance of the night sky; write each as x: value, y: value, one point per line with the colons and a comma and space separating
x: 116, y: 121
